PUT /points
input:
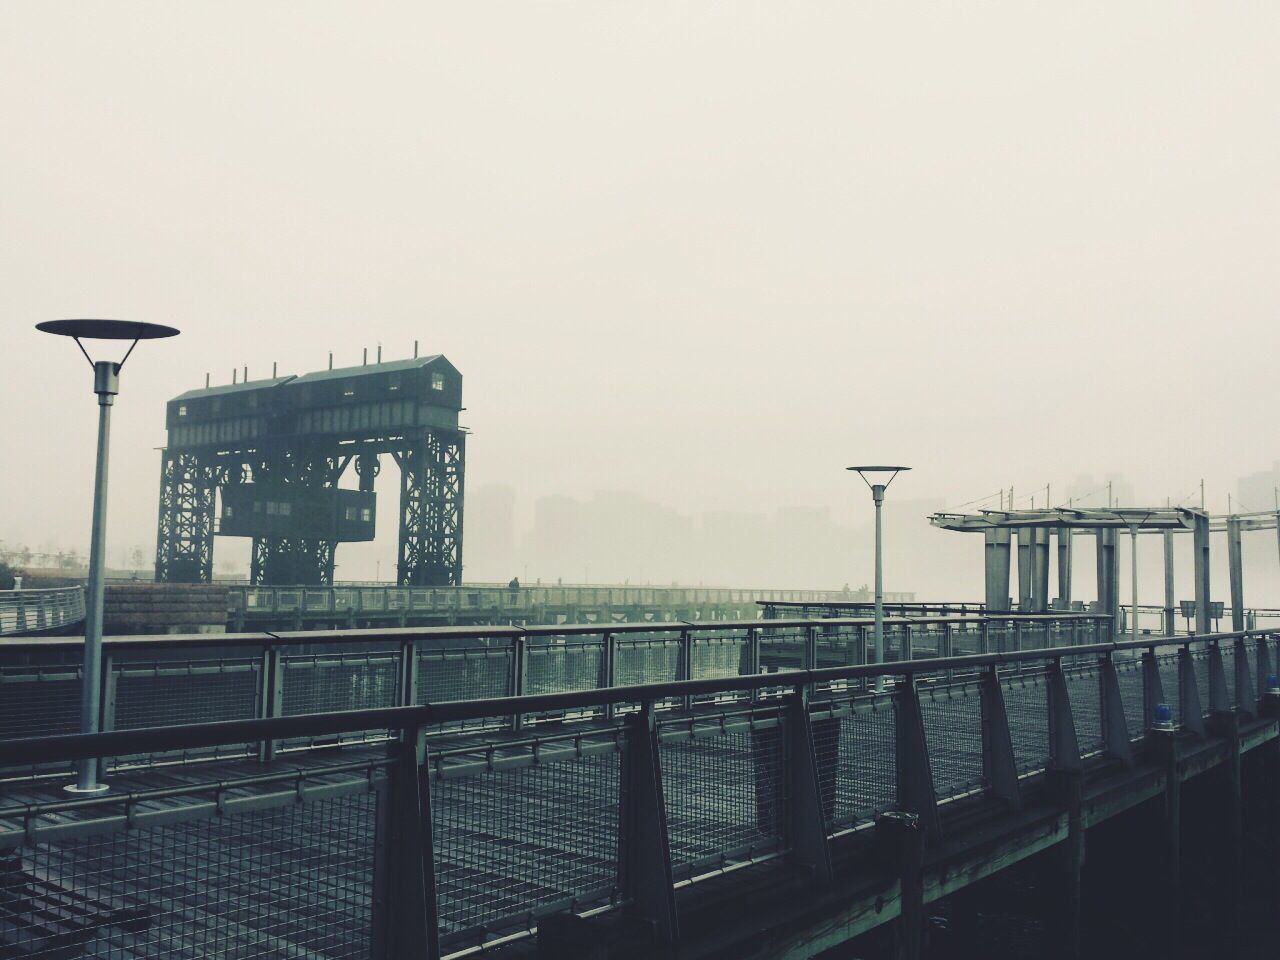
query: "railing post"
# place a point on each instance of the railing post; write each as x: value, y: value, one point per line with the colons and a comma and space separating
x: 1152, y: 689
x: 999, y: 767
x: 110, y: 688
x: 1219, y: 697
x: 807, y: 827
x: 902, y: 837
x: 1115, y: 728
x: 408, y: 681
x: 906, y: 649
x: 753, y: 657
x: 686, y: 665
x: 1264, y: 670
x: 1246, y: 704
x: 608, y: 668
x: 1064, y: 747
x: 984, y: 636
x: 407, y: 909
x: 1189, y: 693
x: 915, y: 778
x: 270, y: 694
x: 516, y: 680
x: 644, y: 860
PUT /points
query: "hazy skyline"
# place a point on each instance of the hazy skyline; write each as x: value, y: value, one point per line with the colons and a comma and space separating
x: 705, y: 252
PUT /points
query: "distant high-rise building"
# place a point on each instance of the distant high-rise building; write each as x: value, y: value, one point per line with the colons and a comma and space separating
x: 490, y: 520
x: 1258, y: 490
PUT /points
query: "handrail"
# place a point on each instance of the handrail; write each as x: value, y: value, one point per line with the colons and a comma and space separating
x: 40, y: 609
x: 155, y: 739
x: 297, y: 637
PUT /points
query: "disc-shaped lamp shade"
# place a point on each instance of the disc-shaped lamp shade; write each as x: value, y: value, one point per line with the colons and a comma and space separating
x: 878, y: 469
x: 107, y: 329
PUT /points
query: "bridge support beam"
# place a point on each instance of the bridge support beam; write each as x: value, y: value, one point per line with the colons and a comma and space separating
x: 997, y: 570
x: 646, y: 871
x: 1067, y: 787
x: 902, y: 838
x: 1170, y: 601
x: 1235, y: 568
x: 1166, y: 743
x: 1230, y: 890
x: 1108, y: 576
x: 1200, y: 539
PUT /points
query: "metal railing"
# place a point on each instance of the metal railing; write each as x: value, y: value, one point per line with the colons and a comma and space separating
x: 356, y: 599
x: 202, y: 678
x: 37, y: 611
x: 436, y: 847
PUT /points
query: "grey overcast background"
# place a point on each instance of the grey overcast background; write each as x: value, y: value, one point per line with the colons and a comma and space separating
x: 704, y: 252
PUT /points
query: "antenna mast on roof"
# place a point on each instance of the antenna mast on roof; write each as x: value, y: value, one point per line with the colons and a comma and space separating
x: 206, y: 380
x: 415, y: 349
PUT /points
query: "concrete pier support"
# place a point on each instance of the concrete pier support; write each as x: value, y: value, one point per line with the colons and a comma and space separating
x: 1170, y: 603
x: 997, y: 570
x: 1108, y: 576
x: 1235, y: 568
x: 1039, y: 569
x: 1064, y: 566
x: 1200, y: 537
x: 1026, y: 567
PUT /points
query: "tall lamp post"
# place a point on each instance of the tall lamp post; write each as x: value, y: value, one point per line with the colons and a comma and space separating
x: 876, y: 473
x: 106, y: 384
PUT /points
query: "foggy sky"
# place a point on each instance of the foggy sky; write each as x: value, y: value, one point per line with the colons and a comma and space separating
x: 706, y: 252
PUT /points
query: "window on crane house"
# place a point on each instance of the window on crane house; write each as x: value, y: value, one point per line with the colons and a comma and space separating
x: 349, y: 388
x: 182, y: 409
x: 437, y: 381
x: 272, y: 508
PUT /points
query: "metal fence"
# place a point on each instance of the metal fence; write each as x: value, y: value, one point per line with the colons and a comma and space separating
x: 38, y: 611
x: 204, y: 678
x: 433, y: 844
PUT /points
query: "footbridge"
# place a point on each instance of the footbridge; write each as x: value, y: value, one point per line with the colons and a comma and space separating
x: 41, y: 611
x: 738, y: 789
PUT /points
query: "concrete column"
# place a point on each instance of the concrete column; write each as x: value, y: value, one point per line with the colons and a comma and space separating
x: 1236, y: 569
x: 1200, y: 533
x: 1108, y: 576
x: 1026, y: 559
x: 1040, y: 569
x: 997, y: 570
x: 1170, y: 603
x: 1064, y: 565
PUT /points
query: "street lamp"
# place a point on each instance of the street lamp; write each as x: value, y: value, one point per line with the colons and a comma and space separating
x: 877, y: 495
x: 106, y: 384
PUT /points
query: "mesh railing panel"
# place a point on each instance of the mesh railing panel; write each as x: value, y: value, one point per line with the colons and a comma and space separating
x: 953, y: 732
x: 725, y: 798
x: 519, y: 843
x: 561, y: 667
x: 857, y: 762
x: 463, y: 675
x: 1084, y: 690
x: 645, y: 660
x: 39, y: 700
x: 1026, y: 704
x: 1200, y: 663
x: 325, y: 683
x: 782, y: 649
x: 294, y: 881
x: 36, y: 700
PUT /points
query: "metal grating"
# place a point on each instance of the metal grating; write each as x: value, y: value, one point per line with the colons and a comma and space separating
x: 515, y: 844
x: 953, y: 732
x: 1200, y: 663
x: 640, y: 660
x: 1132, y: 695
x: 294, y: 881
x: 1026, y: 704
x: 857, y: 762
x: 725, y: 798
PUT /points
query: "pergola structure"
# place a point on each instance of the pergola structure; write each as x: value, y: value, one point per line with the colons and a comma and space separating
x: 1031, y: 530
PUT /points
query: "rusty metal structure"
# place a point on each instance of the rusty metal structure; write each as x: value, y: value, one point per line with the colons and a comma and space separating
x: 285, y: 443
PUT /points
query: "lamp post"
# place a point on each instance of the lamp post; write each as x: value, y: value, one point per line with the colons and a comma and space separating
x: 106, y: 384
x: 877, y: 496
